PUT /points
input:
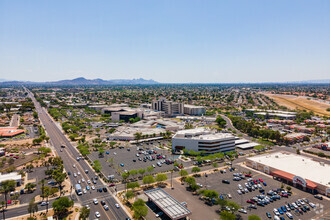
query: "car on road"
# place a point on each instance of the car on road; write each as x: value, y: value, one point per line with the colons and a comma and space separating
x: 97, y: 214
x: 44, y: 203
x: 117, y: 205
x: 226, y: 181
x: 106, y: 208
x: 95, y: 201
x: 112, y: 184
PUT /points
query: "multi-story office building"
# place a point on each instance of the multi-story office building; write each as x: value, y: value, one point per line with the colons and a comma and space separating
x: 169, y: 107
x: 194, y: 110
x: 202, y: 139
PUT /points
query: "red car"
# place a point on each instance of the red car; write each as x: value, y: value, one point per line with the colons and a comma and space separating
x: 112, y: 184
x: 260, y: 180
x: 284, y: 195
x: 250, y: 201
x: 248, y: 175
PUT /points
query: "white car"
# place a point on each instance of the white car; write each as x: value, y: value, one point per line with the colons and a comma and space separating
x: 95, y: 201
x: 85, y: 191
x: 79, y: 181
x: 276, y: 217
x: 242, y: 211
x: 78, y: 173
x: 75, y: 175
x: 87, y: 206
x: 83, y: 180
x: 312, y: 205
x: 44, y: 203
x: 117, y: 205
x: 294, y: 205
x: 240, y: 186
x: 74, y: 165
x: 153, y: 166
x: 239, y: 192
x: 106, y: 207
x: 200, y: 185
x: 97, y: 214
x: 93, y: 187
x: 88, y: 181
x: 276, y: 212
x: 289, y: 215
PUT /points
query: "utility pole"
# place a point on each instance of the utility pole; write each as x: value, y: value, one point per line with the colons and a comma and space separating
x: 172, y: 179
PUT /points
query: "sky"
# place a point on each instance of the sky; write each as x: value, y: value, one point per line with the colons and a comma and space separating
x: 170, y: 41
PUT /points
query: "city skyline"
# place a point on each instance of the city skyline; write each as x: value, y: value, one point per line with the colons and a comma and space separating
x: 169, y: 42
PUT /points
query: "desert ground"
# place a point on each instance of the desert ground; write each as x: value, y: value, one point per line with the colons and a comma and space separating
x: 300, y: 102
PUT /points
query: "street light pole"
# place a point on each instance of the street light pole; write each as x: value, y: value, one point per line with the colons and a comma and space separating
x: 172, y: 179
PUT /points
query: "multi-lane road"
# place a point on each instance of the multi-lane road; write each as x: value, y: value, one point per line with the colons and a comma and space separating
x: 69, y: 156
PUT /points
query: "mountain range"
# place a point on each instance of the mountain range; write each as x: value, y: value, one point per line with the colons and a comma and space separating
x: 83, y: 81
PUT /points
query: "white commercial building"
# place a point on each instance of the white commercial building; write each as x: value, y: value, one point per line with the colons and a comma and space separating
x: 11, y: 176
x: 169, y: 107
x: 194, y: 110
x: 296, y: 170
x: 202, y: 139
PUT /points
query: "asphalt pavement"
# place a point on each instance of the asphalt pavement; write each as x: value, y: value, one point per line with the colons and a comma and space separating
x: 69, y: 155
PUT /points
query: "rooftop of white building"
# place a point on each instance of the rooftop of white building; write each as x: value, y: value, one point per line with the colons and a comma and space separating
x: 298, y: 165
x: 201, y: 134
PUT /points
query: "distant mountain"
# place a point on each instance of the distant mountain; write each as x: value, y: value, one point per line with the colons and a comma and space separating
x: 3, y: 80
x: 84, y: 81
x: 317, y: 81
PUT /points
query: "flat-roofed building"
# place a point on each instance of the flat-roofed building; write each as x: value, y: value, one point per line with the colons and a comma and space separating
x: 296, y: 170
x: 203, y: 139
x: 194, y: 110
x: 11, y: 176
x: 169, y: 205
x: 169, y: 107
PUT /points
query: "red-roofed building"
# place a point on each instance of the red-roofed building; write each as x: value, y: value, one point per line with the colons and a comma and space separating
x: 10, y: 132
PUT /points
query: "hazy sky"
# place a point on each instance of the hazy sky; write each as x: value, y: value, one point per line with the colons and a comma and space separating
x: 168, y: 41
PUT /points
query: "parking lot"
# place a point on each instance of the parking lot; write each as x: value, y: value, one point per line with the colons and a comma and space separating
x: 214, y: 182
x: 126, y: 159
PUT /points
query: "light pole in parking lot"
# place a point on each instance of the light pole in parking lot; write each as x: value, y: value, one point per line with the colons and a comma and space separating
x: 172, y: 179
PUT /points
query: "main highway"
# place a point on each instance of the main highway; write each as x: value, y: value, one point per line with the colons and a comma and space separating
x: 69, y: 156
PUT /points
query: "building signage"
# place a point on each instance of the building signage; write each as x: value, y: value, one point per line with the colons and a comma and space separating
x: 266, y: 169
x: 299, y: 180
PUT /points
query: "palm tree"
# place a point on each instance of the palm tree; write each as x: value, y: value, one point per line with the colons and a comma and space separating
x: 3, y: 209
x: 6, y: 187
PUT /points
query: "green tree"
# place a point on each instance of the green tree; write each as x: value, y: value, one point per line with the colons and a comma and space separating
x: 148, y: 179
x: 3, y: 209
x: 183, y: 173
x: 190, y: 180
x: 133, y: 185
x: 140, y: 209
x: 30, y: 186
x: 133, y: 173
x: 215, y: 165
x: 6, y: 187
x: 161, y: 177
x: 97, y: 166
x: 254, y: 217
x: 142, y: 171
x: 221, y: 122
x: 33, y: 207
x: 196, y: 169
x: 129, y: 195
x: 138, y: 136
x: 84, y: 213
x: 225, y: 215
x: 150, y: 169
x: 61, y: 206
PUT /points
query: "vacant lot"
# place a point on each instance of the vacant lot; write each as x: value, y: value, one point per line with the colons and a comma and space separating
x: 299, y: 102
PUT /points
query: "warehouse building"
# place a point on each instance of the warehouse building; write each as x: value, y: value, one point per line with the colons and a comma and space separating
x: 203, y: 139
x: 295, y: 170
x: 194, y: 110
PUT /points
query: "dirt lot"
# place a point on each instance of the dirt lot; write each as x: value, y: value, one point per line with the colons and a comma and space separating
x: 299, y: 102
